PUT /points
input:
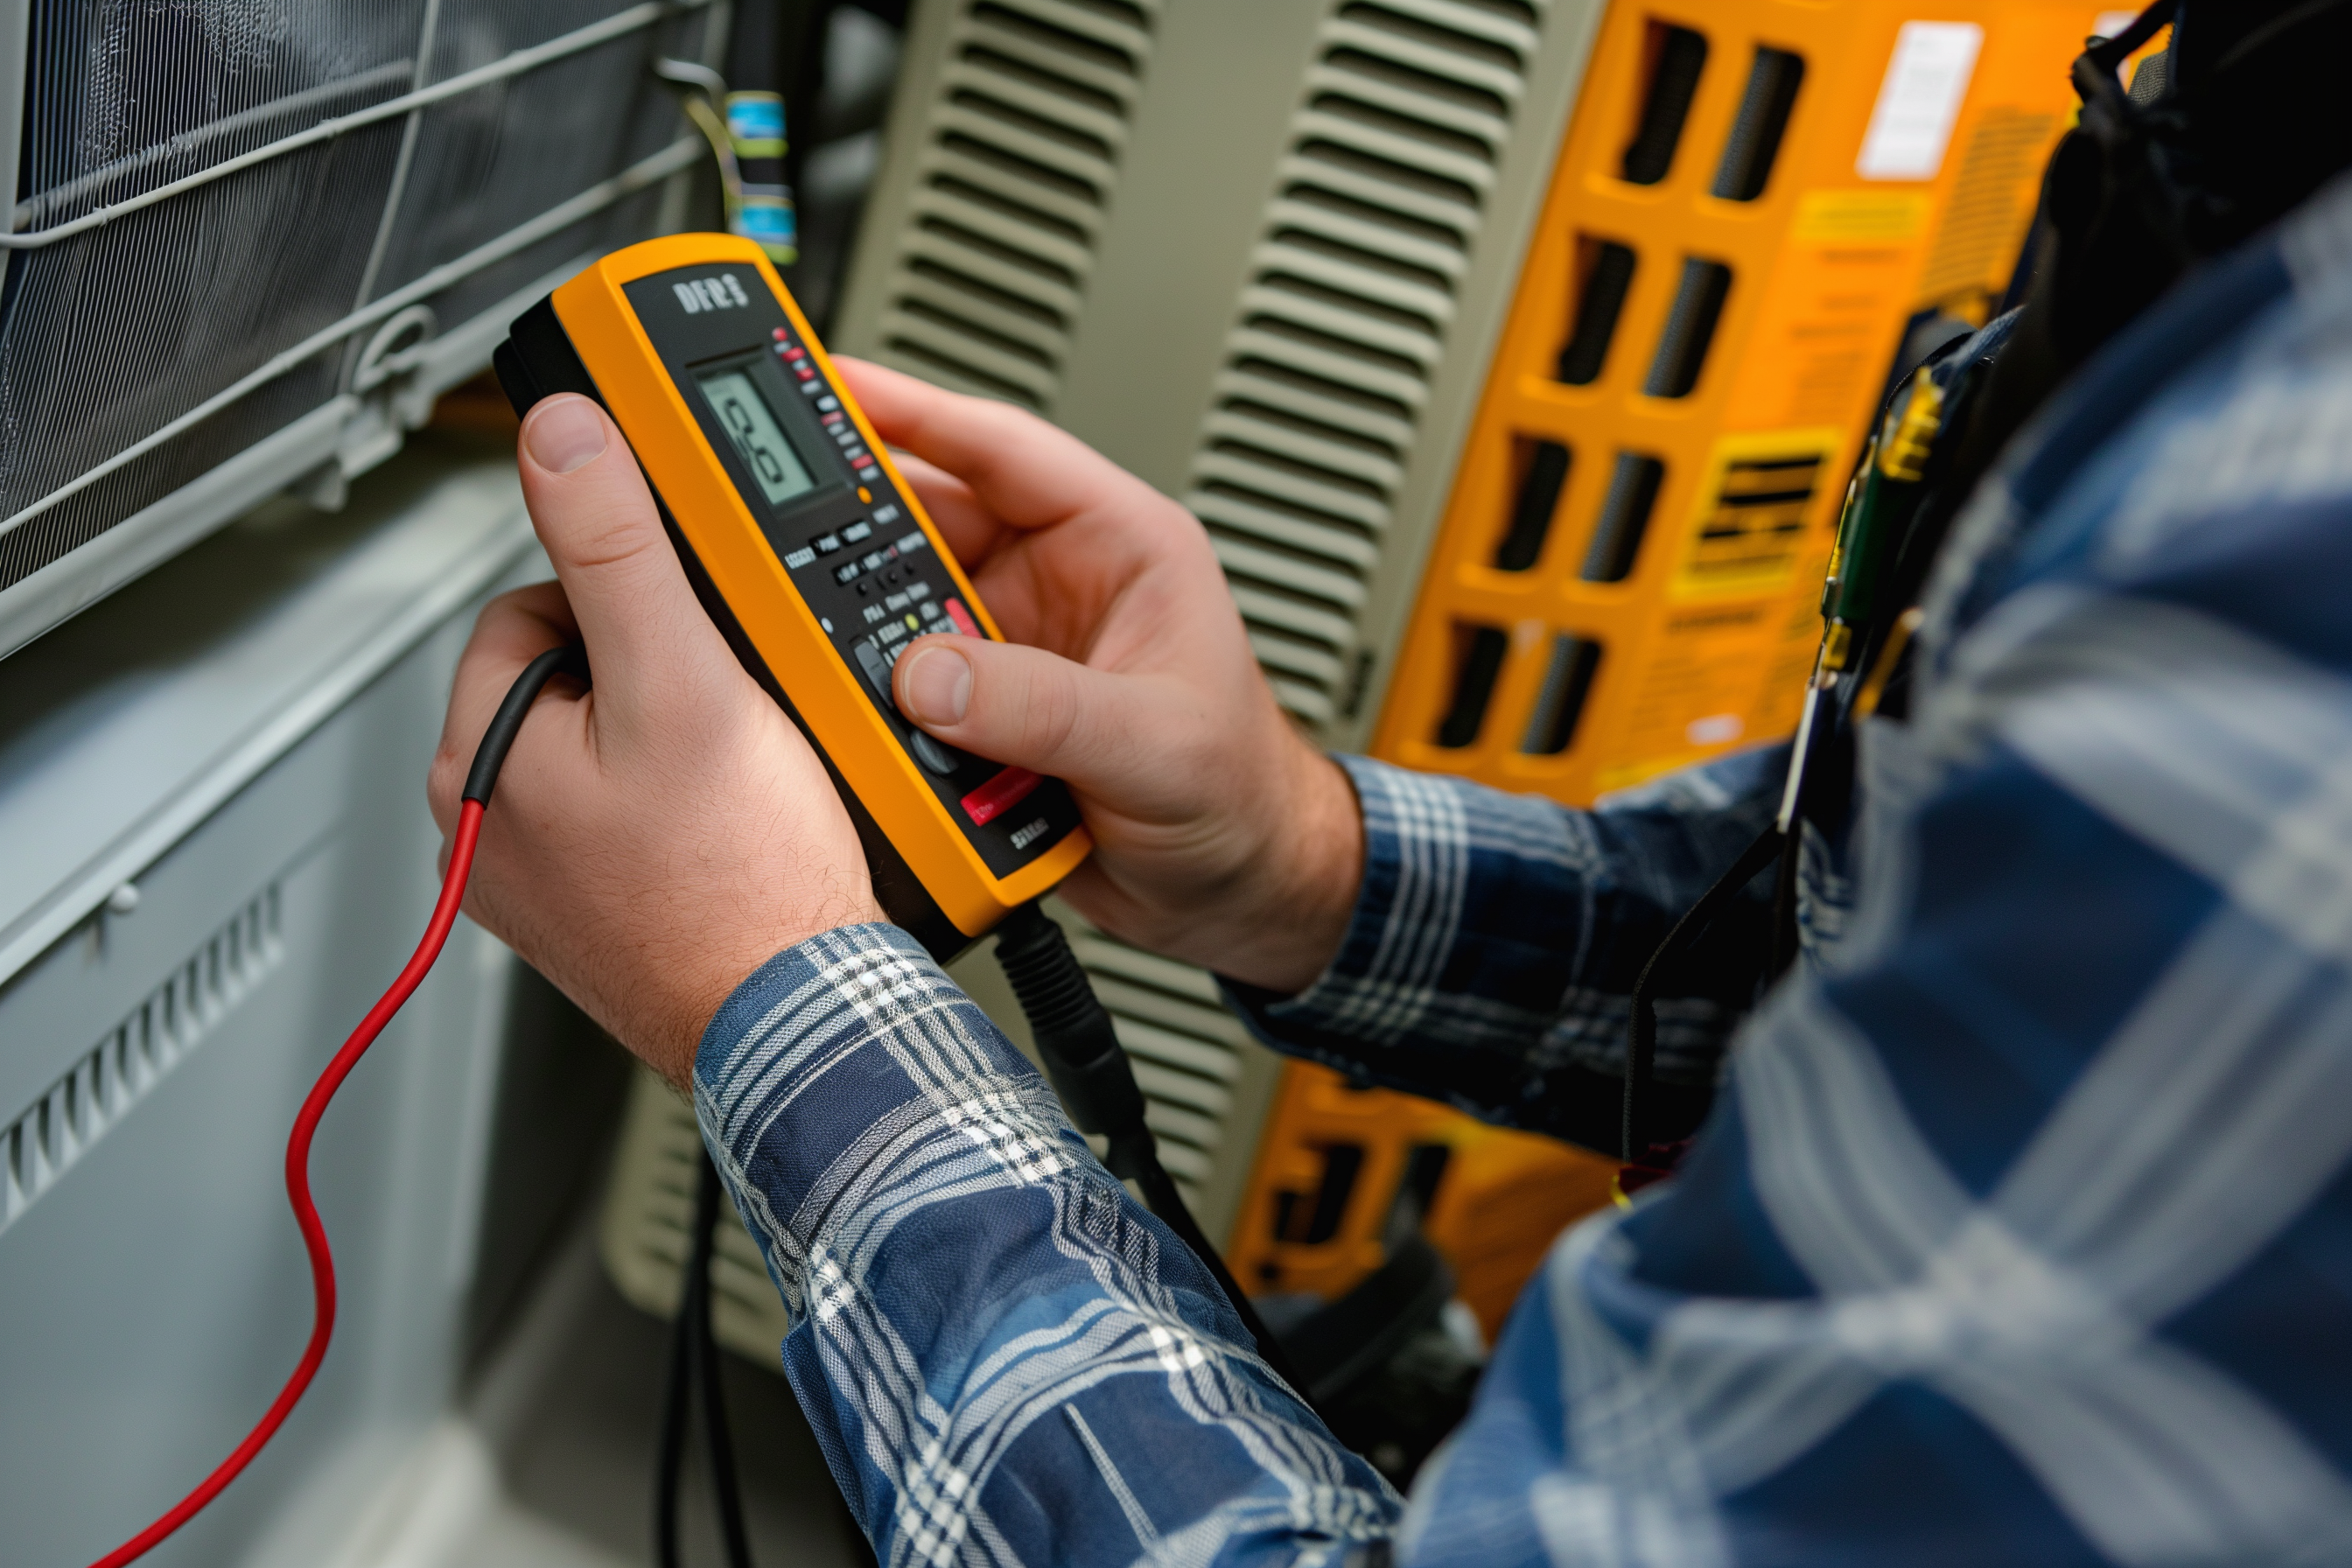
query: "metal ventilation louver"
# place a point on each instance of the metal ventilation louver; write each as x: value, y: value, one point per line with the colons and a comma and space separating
x: 1377, y: 203
x: 257, y: 240
x: 50, y: 1136
x: 1019, y: 161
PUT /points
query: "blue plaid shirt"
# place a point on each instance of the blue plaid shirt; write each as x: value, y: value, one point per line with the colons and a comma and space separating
x: 2020, y: 1231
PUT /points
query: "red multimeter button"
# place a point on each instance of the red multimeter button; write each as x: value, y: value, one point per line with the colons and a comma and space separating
x: 1001, y: 793
x: 963, y: 618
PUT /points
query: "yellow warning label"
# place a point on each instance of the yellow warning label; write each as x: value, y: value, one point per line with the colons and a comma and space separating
x: 1716, y: 677
x: 1864, y: 216
x: 1758, y: 499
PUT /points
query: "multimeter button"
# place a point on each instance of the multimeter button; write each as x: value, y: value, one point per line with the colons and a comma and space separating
x: 800, y: 558
x: 845, y: 572
x: 886, y: 514
x: 912, y: 543
x: 895, y: 602
x: 1000, y: 794
x: 876, y: 669
x: 963, y: 618
x: 931, y: 753
x: 890, y: 631
x: 875, y: 560
x: 856, y: 532
x: 864, y: 589
x: 828, y: 545
x: 918, y: 590
x: 930, y: 611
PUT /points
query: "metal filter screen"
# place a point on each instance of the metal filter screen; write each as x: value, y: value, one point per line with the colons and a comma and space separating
x: 222, y: 205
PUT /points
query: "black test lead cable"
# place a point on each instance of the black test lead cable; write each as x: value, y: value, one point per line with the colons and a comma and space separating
x: 694, y: 1368
x: 1091, y: 1073
x: 488, y: 757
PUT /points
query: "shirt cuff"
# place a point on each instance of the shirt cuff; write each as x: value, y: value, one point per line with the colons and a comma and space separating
x: 1377, y: 989
x: 846, y: 1065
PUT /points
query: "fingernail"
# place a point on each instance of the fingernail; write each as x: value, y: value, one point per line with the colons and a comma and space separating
x: 938, y: 686
x: 565, y: 434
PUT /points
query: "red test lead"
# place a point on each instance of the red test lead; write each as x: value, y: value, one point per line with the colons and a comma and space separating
x: 488, y: 757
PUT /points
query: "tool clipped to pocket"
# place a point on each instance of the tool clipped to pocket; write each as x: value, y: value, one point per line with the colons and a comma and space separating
x: 810, y: 552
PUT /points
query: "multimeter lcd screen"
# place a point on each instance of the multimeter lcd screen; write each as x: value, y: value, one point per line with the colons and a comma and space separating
x: 751, y: 425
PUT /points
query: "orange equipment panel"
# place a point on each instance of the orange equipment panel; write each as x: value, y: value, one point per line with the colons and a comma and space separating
x: 1755, y: 201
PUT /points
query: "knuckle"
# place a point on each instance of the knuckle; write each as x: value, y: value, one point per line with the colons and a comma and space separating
x: 1052, y: 717
x: 443, y: 776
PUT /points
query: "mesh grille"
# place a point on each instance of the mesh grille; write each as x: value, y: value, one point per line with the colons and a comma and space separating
x: 110, y: 335
x: 488, y: 158
x: 1379, y: 201
x: 1022, y: 155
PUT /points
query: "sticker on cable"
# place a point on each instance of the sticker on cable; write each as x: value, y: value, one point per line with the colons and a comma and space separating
x: 1920, y: 100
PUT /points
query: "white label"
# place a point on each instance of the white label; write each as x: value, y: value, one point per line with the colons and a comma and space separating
x: 1025, y: 837
x: 1919, y: 100
x: 800, y: 558
x: 1716, y: 729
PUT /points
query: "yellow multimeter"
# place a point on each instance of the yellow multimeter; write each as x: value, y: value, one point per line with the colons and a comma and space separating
x: 810, y: 552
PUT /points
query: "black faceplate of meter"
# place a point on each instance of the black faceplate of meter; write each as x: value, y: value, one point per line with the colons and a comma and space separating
x: 863, y: 566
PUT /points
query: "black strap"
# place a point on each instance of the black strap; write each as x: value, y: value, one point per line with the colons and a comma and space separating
x: 1642, y: 1038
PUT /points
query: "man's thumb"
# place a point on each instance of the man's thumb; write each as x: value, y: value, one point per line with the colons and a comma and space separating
x: 1024, y: 705
x: 602, y: 530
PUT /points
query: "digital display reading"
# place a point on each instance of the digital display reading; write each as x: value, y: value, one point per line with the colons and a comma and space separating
x: 752, y: 426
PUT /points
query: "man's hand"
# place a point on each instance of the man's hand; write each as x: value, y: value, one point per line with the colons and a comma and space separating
x: 656, y: 838
x: 1222, y: 837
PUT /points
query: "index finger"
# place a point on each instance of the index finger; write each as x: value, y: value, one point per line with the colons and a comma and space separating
x: 1028, y: 472
x: 513, y: 629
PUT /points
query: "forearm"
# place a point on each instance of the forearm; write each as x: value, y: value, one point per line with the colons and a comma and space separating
x: 991, y: 1339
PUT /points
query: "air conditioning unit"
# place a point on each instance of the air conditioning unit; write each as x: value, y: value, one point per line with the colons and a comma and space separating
x: 1513, y: 354
x: 247, y: 246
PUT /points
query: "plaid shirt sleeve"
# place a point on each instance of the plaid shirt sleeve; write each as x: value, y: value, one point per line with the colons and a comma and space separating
x: 2022, y: 1232
x: 1005, y: 1359
x: 1497, y: 938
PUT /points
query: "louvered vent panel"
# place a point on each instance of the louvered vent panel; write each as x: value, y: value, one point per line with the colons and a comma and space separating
x: 85, y: 1104
x: 1407, y: 111
x: 1023, y: 148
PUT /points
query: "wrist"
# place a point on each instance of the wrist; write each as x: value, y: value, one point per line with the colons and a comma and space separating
x: 1315, y: 859
x: 690, y: 983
